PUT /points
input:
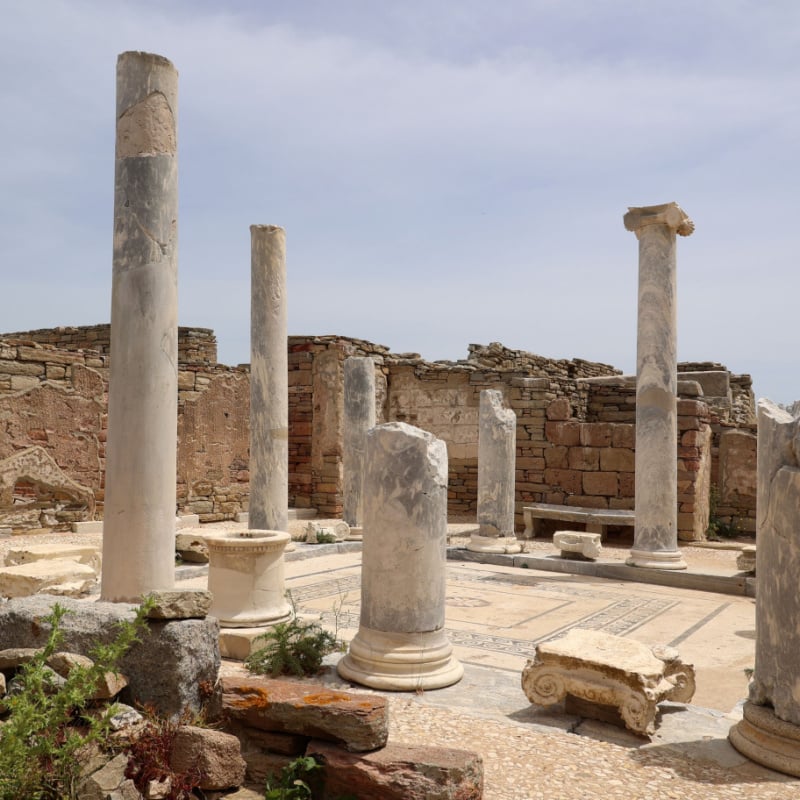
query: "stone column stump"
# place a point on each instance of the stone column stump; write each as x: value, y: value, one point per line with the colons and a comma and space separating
x: 401, y: 644
x: 497, y: 452
x: 359, y: 417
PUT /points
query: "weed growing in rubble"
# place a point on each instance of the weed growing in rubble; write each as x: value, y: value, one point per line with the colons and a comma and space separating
x: 47, y: 728
x: 294, y: 647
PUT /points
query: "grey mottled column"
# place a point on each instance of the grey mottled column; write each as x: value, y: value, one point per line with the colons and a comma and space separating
x: 655, y: 541
x: 269, y: 381
x: 401, y: 643
x: 359, y: 417
x: 769, y: 733
x: 139, y: 516
x: 497, y: 452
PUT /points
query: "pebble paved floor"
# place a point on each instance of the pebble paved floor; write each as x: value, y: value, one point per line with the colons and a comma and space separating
x: 528, y: 756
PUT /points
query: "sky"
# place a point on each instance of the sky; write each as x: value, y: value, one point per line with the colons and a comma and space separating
x: 447, y: 171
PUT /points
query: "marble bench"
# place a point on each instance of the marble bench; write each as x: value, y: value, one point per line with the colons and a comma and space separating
x: 596, y: 520
x: 608, y: 673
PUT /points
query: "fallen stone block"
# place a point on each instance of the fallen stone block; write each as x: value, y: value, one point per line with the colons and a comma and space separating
x: 400, y: 772
x: 82, y: 553
x: 191, y: 546
x: 576, y: 544
x: 608, y: 670
x: 176, y: 604
x: 173, y: 667
x: 24, y: 580
x: 100, y: 784
x: 746, y: 560
x: 216, y: 754
x: 358, y: 722
x: 90, y: 526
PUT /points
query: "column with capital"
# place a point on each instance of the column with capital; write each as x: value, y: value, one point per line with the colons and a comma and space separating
x: 655, y: 541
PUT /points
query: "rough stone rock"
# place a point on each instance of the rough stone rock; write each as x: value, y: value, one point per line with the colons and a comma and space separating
x: 192, y: 547
x: 111, y: 684
x: 171, y: 668
x: 13, y: 657
x: 82, y: 553
x: 2, y: 685
x: 359, y: 722
x: 23, y: 580
x: 217, y: 755
x: 158, y: 790
x: 175, y: 604
x: 100, y: 784
x: 125, y: 717
x: 400, y: 772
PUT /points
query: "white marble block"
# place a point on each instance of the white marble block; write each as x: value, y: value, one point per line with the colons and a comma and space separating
x: 576, y: 544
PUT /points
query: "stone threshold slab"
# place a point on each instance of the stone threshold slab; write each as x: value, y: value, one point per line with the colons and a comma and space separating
x: 679, y: 579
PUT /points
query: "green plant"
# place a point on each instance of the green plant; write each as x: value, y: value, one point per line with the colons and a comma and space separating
x: 292, y: 784
x: 293, y: 648
x: 48, y: 728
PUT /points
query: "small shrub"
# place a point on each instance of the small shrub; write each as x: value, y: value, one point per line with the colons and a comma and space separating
x: 292, y: 784
x: 48, y: 728
x: 293, y: 648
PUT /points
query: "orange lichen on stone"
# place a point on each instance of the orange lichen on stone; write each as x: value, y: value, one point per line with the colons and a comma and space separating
x: 325, y: 698
x: 256, y: 698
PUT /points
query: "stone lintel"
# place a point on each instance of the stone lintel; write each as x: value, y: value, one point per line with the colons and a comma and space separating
x: 669, y: 214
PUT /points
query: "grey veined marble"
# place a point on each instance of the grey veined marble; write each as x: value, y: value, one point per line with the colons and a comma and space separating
x: 655, y: 541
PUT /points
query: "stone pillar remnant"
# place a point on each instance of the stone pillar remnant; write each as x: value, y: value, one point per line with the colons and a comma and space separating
x: 655, y: 541
x: 401, y: 644
x: 497, y: 450
x: 359, y: 417
x: 269, y: 381
x: 769, y: 733
x: 139, y: 515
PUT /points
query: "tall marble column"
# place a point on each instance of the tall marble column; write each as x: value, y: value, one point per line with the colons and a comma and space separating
x: 401, y: 643
x: 139, y: 515
x: 655, y: 542
x: 497, y: 452
x: 269, y: 381
x: 359, y: 417
x: 769, y: 732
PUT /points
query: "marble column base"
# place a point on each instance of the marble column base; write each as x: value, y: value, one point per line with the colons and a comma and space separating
x: 656, y: 559
x: 403, y: 662
x: 767, y: 740
x: 493, y: 544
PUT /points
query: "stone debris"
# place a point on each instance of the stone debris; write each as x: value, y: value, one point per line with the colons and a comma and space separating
x: 180, y: 604
x: 609, y: 670
x: 746, y: 560
x: 215, y: 753
x: 574, y: 544
x: 359, y: 722
x: 401, y: 772
x: 31, y: 578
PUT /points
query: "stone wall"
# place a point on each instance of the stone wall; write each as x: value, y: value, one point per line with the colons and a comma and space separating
x: 575, y: 423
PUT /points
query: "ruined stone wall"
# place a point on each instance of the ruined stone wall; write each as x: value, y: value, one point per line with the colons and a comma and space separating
x: 316, y: 386
x: 195, y: 345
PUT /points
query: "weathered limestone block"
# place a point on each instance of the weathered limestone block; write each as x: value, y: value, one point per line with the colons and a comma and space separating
x: 610, y: 671
x: 400, y: 772
x: 358, y: 722
x: 180, y: 604
x: 39, y: 576
x: 169, y: 668
x: 107, y: 780
x: 82, y: 553
x: 110, y: 685
x: 746, y: 560
x: 574, y: 544
x: 216, y: 754
x: 401, y: 643
x: 770, y: 730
